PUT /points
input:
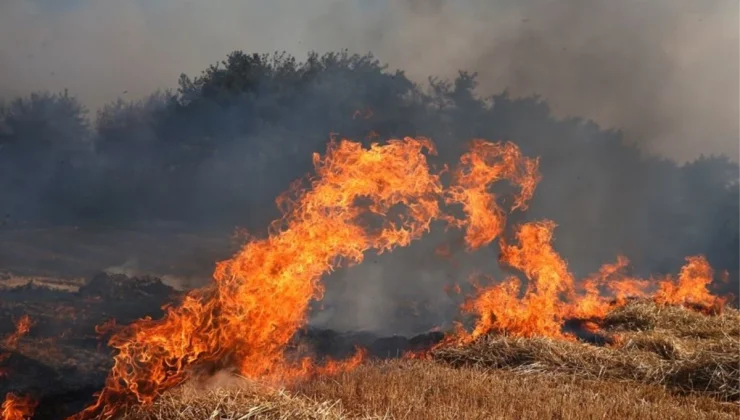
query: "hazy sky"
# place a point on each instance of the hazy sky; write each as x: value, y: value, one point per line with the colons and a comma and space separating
x: 666, y: 71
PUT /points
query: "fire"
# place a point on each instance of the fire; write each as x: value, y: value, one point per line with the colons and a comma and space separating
x: 691, y: 287
x: 540, y: 311
x: 360, y: 200
x: 553, y: 295
x: 17, y: 407
x: 485, y: 164
x: 260, y: 296
x: 22, y: 327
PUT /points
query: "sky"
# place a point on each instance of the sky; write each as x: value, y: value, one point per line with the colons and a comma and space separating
x: 664, y: 71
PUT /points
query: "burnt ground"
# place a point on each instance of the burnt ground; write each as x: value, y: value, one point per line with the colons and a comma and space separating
x: 70, y: 252
x: 62, y: 361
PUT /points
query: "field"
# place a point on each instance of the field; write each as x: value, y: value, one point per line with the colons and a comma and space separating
x: 426, y: 390
x: 667, y: 363
x: 646, y: 360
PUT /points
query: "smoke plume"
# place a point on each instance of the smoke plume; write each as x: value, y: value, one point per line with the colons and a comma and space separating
x: 663, y: 71
x: 659, y: 79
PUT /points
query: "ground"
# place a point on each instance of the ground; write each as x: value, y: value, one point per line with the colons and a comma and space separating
x: 648, y: 361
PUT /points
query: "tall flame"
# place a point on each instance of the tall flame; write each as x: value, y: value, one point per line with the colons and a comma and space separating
x: 260, y: 296
x: 362, y: 199
x: 691, y: 287
x: 485, y: 164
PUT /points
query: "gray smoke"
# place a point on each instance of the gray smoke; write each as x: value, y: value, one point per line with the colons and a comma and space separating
x: 664, y: 71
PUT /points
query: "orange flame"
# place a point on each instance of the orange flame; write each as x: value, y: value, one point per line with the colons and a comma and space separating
x: 553, y: 295
x: 692, y: 284
x: 360, y: 200
x: 22, y: 327
x: 260, y: 297
x: 540, y: 312
x: 17, y: 407
x: 485, y: 164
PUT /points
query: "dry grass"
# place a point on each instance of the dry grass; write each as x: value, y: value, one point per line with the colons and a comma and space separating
x: 676, y: 321
x: 235, y: 402
x: 424, y: 390
x: 10, y: 281
x: 659, y: 351
x: 669, y: 346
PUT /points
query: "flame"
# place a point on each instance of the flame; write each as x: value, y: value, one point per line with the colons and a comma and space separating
x: 359, y: 200
x: 479, y: 168
x: 691, y: 287
x: 553, y: 295
x: 594, y: 303
x: 22, y: 327
x: 17, y: 407
x: 260, y: 297
x: 540, y: 311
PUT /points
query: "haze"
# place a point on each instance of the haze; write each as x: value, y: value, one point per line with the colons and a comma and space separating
x: 664, y: 71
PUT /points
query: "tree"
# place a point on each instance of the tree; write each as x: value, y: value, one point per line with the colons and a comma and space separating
x: 43, y: 137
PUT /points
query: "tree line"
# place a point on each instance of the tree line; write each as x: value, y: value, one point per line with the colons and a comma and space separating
x: 216, y: 152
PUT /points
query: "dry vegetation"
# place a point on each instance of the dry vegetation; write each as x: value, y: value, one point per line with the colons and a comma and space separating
x: 236, y: 402
x: 675, y: 347
x: 665, y: 362
x: 409, y: 389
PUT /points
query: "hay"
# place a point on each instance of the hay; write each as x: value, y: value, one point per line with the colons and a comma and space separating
x: 640, y: 316
x: 236, y: 402
x: 545, y: 355
x: 674, y: 347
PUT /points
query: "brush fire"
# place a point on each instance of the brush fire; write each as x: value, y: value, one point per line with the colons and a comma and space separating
x: 363, y: 200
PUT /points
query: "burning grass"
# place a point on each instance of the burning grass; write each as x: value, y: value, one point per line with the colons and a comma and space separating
x: 664, y: 362
x: 678, y: 348
x: 387, y: 196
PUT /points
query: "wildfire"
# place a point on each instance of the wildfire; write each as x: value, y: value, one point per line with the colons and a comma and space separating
x: 22, y: 327
x: 540, y: 311
x: 553, y: 295
x: 17, y: 407
x: 260, y: 297
x: 359, y: 200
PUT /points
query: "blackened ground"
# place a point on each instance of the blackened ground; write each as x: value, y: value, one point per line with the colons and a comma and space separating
x: 63, y: 361
x: 336, y: 345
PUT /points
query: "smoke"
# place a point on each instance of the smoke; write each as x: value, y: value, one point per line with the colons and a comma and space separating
x: 101, y: 50
x: 663, y: 71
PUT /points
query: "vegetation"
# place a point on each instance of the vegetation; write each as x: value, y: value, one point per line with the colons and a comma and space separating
x: 425, y: 390
x: 218, y: 151
x: 664, y: 362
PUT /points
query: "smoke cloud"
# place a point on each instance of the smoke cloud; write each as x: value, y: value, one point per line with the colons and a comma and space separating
x: 665, y: 71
